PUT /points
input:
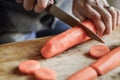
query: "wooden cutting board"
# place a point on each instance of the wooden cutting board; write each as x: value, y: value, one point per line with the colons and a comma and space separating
x: 64, y: 64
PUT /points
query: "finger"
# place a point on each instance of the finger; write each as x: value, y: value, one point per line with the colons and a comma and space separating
x: 100, y: 27
x: 107, y: 19
x: 78, y: 15
x: 19, y: 1
x: 114, y: 17
x: 96, y: 18
x: 118, y: 17
x: 37, y: 8
x: 42, y: 4
x: 28, y: 4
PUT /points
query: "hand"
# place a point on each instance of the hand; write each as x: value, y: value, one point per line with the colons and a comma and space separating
x: 37, y: 5
x: 105, y: 18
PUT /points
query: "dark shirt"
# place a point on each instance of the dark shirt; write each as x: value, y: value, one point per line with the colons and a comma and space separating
x: 14, y: 18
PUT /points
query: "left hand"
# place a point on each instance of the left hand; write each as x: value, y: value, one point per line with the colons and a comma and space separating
x: 105, y: 18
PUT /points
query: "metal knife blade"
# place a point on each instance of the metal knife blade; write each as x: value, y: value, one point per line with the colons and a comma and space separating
x: 66, y: 18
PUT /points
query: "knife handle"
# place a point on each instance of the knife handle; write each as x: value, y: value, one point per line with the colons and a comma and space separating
x: 48, y: 6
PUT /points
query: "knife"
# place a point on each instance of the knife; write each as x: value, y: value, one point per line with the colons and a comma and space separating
x: 57, y: 12
x: 68, y: 19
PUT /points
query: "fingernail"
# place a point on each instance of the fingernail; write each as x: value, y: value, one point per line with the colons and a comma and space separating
x: 36, y: 8
x: 98, y: 33
x: 19, y: 1
x: 51, y: 1
x: 29, y: 8
x: 101, y: 34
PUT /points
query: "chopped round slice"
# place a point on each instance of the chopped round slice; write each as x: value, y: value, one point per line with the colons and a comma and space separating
x: 29, y: 66
x: 45, y: 74
x: 98, y: 51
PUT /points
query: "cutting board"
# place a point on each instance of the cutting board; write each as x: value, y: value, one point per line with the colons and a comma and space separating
x: 64, y: 64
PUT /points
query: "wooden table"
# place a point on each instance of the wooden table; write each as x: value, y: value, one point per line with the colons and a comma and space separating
x: 64, y: 64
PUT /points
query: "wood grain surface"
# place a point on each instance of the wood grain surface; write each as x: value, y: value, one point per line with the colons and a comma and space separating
x: 64, y: 64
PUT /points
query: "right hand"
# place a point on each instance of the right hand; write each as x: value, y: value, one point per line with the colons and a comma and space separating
x: 37, y: 5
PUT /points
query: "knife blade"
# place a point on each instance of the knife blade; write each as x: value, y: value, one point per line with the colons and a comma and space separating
x: 69, y: 20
